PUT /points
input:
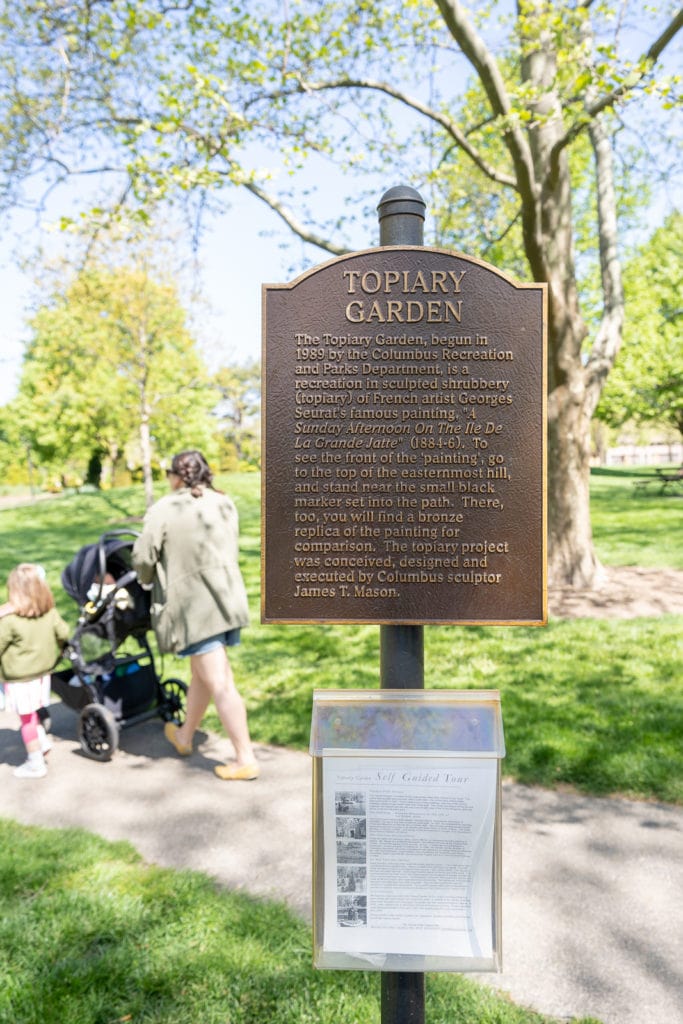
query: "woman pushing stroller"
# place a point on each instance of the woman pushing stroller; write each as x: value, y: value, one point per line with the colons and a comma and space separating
x: 188, y: 551
x: 32, y: 637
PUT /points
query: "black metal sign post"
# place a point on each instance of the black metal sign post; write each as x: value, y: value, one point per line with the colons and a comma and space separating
x: 401, y: 222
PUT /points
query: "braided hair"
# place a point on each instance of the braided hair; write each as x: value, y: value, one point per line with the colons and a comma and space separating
x: 193, y: 470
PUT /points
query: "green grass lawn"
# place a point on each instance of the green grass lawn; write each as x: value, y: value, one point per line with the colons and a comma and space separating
x: 591, y: 703
x: 89, y: 934
x: 632, y: 527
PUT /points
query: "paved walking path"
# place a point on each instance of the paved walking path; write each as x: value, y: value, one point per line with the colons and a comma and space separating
x: 591, y: 888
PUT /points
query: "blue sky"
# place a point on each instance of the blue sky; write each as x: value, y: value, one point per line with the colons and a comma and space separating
x: 236, y: 260
x: 244, y: 247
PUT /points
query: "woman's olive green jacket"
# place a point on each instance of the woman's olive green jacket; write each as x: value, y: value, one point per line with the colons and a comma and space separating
x: 188, y: 551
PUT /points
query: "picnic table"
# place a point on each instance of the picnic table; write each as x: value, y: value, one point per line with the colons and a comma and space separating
x: 668, y: 480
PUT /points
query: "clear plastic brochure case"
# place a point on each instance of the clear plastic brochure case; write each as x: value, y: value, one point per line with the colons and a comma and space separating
x: 407, y: 830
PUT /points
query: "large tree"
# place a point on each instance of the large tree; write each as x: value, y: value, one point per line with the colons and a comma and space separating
x: 111, y: 364
x: 188, y: 97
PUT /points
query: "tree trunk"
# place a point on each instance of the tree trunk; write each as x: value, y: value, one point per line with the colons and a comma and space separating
x: 543, y: 183
x: 548, y: 212
x: 571, y: 558
x: 146, y: 454
x: 143, y: 354
x: 109, y: 462
x: 29, y: 466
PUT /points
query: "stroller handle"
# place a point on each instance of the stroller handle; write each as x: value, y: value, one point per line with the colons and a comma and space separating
x: 124, y: 532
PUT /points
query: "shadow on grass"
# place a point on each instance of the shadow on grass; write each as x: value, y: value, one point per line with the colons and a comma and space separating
x: 90, y: 933
x: 595, y: 705
x: 581, y: 699
x: 108, y: 938
x: 627, y: 472
x: 616, y: 473
x: 284, y: 665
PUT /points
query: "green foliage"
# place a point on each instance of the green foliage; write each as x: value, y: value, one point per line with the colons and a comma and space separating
x: 88, y: 932
x: 185, y: 100
x: 238, y: 415
x: 647, y: 381
x: 107, y: 355
x: 15, y: 461
x: 594, y: 704
x: 187, y: 97
x: 468, y: 214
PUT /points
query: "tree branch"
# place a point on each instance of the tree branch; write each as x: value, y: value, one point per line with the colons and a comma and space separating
x: 608, y: 339
x: 650, y: 58
x: 486, y: 66
x: 609, y: 99
x: 291, y: 221
x: 413, y: 103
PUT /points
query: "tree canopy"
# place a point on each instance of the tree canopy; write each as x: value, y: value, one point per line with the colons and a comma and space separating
x: 647, y: 381
x: 110, y: 370
x: 492, y: 109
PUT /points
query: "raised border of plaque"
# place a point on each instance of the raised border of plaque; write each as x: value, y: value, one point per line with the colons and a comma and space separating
x: 404, y: 443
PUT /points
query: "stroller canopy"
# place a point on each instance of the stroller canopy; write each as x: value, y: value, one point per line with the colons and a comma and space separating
x: 110, y: 554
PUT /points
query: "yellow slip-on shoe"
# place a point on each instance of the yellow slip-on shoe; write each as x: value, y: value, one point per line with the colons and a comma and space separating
x: 170, y: 732
x: 237, y: 772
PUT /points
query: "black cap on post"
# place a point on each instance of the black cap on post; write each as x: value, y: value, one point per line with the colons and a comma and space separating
x: 401, y: 213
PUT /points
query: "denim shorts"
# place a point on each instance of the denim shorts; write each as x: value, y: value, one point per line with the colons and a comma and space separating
x: 230, y: 638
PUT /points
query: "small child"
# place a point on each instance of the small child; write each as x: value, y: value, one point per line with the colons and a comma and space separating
x: 32, y: 637
x: 100, y: 589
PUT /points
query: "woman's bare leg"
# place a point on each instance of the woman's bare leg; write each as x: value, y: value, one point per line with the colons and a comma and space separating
x: 212, y: 678
x: 198, y: 699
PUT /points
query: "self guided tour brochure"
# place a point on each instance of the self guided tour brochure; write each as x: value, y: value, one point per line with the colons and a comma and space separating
x: 406, y: 870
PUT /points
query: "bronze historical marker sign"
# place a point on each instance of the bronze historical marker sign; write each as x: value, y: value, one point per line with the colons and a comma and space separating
x: 404, y: 442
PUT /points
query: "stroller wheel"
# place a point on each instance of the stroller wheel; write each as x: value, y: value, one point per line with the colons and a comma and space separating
x: 98, y: 732
x: 174, y: 694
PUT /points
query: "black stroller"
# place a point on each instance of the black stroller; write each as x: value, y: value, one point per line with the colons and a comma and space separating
x: 109, y: 687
